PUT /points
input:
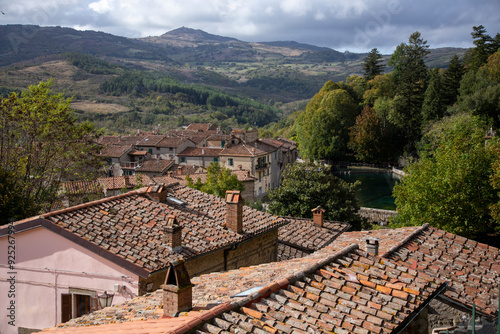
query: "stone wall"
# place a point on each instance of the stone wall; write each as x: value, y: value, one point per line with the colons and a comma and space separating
x: 261, y: 249
x: 376, y: 216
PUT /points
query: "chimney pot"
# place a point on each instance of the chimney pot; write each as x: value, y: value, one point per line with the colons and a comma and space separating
x: 173, y: 233
x: 177, y: 290
x: 157, y: 193
x: 234, y: 211
x: 318, y: 215
x: 372, y: 245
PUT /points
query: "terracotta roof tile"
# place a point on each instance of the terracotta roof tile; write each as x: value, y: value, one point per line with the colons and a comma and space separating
x: 131, y: 225
x: 200, y: 152
x: 472, y: 268
x: 155, y: 166
x: 331, y: 295
x: 201, y: 127
x: 119, y: 182
x: 338, y: 293
x: 254, y: 149
x: 115, y: 151
x: 302, y: 237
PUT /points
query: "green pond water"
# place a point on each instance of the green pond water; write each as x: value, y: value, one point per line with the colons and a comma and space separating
x: 375, y: 190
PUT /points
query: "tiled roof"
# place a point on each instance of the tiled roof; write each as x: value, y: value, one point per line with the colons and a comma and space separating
x: 346, y: 291
x: 131, y: 140
x: 389, y: 238
x: 305, y: 237
x: 109, y: 140
x: 131, y: 225
x: 81, y: 187
x: 219, y: 137
x: 201, y: 127
x: 472, y: 268
x: 151, y: 140
x: 350, y: 291
x: 115, y: 151
x: 119, y: 182
x: 171, y: 142
x: 254, y: 221
x: 254, y: 149
x: 200, y: 152
x: 273, y: 142
x: 155, y: 166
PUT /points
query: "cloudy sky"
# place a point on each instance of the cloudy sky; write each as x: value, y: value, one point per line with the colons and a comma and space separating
x: 353, y: 25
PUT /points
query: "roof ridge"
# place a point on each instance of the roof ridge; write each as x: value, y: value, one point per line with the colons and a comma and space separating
x: 265, y: 291
x: 97, y: 202
x: 405, y: 240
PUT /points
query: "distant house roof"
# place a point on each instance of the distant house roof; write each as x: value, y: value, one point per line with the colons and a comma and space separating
x: 115, y: 151
x: 155, y: 166
x: 151, y: 140
x: 200, y: 152
x: 251, y: 150
x: 345, y: 291
x: 81, y: 187
x: 302, y: 237
x: 128, y: 228
x: 201, y: 127
x: 124, y: 182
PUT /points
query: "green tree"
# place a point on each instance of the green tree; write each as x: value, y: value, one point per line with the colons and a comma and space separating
x: 41, y: 144
x: 451, y: 80
x: 379, y: 87
x: 433, y: 107
x: 480, y: 91
x: 373, y: 64
x: 323, y: 129
x: 410, y: 75
x: 219, y: 180
x: 449, y: 186
x: 484, y: 46
x: 305, y: 186
x: 366, y: 136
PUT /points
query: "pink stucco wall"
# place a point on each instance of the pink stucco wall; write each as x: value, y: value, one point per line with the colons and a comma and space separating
x: 48, y: 265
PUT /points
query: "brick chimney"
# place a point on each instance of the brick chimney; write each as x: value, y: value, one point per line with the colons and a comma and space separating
x: 170, y: 173
x: 372, y: 245
x: 177, y: 290
x: 318, y: 215
x: 157, y: 193
x: 172, y: 233
x: 234, y: 211
x: 179, y: 170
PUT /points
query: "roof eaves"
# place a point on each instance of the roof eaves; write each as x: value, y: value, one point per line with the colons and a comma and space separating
x: 47, y: 224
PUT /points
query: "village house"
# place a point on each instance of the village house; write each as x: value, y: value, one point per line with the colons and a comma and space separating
x: 199, y: 156
x: 155, y: 167
x: 164, y: 147
x: 122, y: 246
x: 346, y: 291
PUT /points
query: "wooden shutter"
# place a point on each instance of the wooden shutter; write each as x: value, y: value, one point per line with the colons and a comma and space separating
x: 65, y: 307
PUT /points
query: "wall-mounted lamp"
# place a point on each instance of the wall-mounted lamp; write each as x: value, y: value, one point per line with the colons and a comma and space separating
x: 105, y: 299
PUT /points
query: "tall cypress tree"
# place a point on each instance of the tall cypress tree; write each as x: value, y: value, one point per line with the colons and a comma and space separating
x: 373, y: 64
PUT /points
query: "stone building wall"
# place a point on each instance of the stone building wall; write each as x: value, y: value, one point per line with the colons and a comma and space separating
x: 261, y: 249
